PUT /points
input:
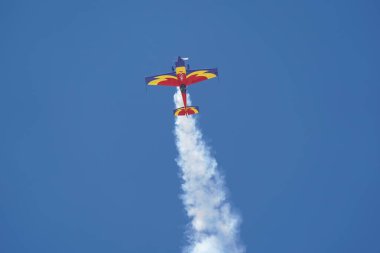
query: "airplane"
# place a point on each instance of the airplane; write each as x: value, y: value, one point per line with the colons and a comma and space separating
x: 182, y: 77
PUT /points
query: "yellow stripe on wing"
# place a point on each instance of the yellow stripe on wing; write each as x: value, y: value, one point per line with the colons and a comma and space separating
x: 203, y: 73
x: 162, y: 78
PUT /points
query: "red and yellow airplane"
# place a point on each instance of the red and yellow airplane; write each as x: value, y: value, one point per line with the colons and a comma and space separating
x: 182, y: 77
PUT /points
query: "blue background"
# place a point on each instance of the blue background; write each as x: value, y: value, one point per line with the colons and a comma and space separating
x: 87, y: 157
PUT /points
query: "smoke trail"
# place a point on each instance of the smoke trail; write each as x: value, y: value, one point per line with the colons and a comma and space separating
x: 214, y: 227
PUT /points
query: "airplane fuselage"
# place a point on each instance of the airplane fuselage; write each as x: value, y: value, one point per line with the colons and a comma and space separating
x: 180, y: 70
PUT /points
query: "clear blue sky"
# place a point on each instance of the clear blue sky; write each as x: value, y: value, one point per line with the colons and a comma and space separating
x: 87, y: 158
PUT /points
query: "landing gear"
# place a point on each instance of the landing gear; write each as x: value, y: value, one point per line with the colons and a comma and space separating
x: 182, y: 87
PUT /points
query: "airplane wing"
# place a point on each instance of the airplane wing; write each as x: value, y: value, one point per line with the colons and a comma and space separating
x: 169, y: 79
x: 195, y: 76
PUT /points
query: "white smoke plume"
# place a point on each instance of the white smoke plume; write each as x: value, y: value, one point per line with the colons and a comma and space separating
x: 213, y: 227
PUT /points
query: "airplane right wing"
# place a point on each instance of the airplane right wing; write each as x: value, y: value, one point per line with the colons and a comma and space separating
x: 169, y: 79
x: 199, y: 75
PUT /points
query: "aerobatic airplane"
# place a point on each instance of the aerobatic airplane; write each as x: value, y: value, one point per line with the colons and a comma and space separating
x: 182, y: 77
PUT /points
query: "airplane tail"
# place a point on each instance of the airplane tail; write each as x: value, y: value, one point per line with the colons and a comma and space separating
x: 188, y: 111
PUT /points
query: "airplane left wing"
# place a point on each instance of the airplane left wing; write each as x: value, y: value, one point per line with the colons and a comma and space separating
x: 195, y: 76
x: 169, y: 79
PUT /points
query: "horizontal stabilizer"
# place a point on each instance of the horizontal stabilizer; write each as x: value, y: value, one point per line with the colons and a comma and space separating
x: 188, y: 111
